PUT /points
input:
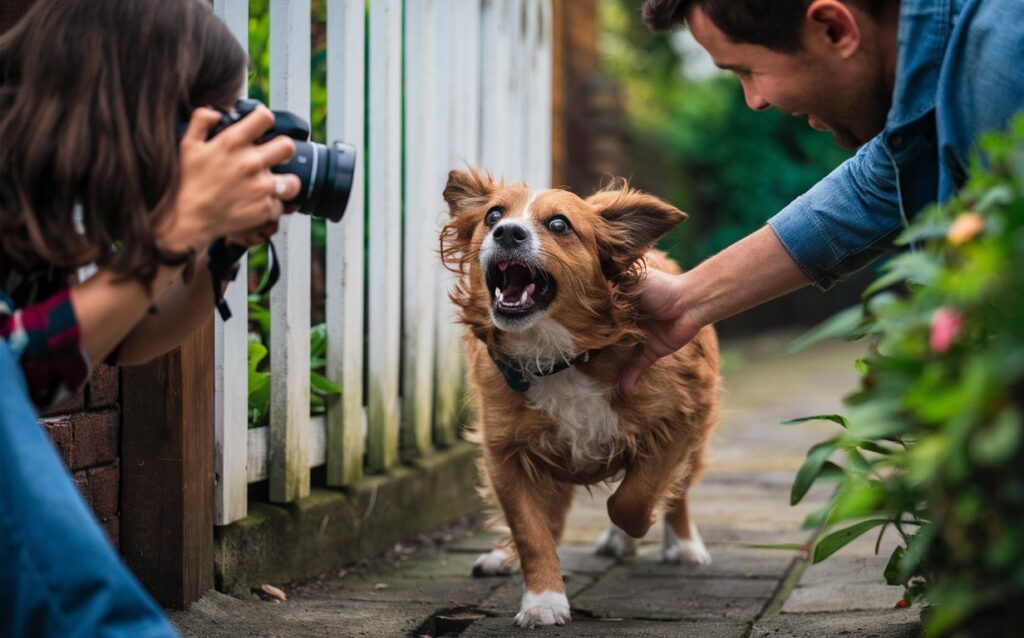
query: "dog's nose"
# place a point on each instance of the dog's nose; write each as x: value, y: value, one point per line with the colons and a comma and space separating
x: 510, y: 235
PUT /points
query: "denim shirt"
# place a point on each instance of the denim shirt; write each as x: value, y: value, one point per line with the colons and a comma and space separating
x: 960, y: 73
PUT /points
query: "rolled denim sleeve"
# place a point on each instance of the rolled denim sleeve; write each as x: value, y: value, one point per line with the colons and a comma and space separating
x: 846, y: 220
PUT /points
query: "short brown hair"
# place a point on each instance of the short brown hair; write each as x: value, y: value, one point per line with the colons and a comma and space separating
x: 774, y: 24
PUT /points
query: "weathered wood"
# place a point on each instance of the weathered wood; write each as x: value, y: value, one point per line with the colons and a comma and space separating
x: 167, y: 471
x: 231, y: 379
x: 425, y: 51
x: 385, y: 231
x: 346, y: 77
x: 289, y: 299
x: 258, y: 441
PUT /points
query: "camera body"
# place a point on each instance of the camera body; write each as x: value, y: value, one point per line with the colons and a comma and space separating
x: 325, y: 171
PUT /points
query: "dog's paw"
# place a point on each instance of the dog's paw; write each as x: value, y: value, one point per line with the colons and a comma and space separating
x: 545, y: 608
x: 615, y: 543
x: 494, y: 563
x: 681, y: 550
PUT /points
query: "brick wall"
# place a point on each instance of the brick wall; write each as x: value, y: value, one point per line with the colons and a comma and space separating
x: 86, y: 430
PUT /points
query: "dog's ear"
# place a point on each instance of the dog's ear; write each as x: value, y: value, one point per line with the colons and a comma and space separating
x: 631, y: 223
x: 467, y: 190
x: 466, y: 193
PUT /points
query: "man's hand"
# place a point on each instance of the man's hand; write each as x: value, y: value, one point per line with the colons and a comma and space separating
x: 671, y: 324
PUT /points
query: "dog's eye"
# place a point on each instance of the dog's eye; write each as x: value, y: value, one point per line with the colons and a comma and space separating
x: 493, y: 216
x: 558, y: 225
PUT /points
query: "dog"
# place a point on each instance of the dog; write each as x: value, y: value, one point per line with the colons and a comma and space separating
x: 547, y: 288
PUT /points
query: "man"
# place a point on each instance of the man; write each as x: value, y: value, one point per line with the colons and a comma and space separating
x: 911, y: 85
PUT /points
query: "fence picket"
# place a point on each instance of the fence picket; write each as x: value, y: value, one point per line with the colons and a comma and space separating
x: 231, y: 387
x: 289, y: 299
x: 346, y: 86
x: 385, y: 231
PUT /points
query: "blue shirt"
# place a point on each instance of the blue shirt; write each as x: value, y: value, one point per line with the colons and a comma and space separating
x: 960, y: 73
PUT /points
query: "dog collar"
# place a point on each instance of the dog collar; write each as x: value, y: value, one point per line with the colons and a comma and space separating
x: 515, y: 373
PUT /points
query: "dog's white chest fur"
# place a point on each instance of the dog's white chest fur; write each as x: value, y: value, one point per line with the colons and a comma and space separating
x: 577, y: 403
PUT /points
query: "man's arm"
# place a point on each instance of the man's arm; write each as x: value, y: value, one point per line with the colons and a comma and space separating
x: 752, y: 271
x: 840, y: 225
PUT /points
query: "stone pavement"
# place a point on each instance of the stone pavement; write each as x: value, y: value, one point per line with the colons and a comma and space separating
x: 742, y: 502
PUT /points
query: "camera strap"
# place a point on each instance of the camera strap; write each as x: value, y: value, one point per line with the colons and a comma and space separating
x: 223, y: 265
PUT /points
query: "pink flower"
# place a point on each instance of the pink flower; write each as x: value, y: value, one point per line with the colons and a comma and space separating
x: 965, y: 228
x: 946, y: 326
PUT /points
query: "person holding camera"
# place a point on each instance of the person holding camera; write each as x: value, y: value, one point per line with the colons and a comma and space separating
x: 105, y: 221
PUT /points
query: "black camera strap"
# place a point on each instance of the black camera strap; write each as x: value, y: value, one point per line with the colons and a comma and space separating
x: 223, y: 265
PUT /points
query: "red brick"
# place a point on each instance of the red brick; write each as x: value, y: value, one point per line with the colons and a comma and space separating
x: 104, y: 387
x: 112, y: 526
x: 59, y: 431
x: 82, y: 483
x: 104, y: 485
x: 95, y: 439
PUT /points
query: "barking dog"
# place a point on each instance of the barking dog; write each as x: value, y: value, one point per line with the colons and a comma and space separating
x: 547, y: 289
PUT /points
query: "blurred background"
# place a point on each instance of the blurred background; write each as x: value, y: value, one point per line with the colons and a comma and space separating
x: 655, y: 109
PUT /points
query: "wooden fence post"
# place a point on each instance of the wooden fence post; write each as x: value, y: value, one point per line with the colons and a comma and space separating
x: 167, y: 471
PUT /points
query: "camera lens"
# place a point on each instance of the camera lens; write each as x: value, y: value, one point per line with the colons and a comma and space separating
x: 326, y: 174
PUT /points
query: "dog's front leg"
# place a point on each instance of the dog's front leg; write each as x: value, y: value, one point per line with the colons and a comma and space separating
x: 524, y: 502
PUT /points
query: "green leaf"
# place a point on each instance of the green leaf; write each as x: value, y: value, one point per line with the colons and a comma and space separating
x: 322, y: 385
x: 841, y: 325
x: 917, y: 267
x: 835, y: 418
x: 892, y: 568
x: 811, y: 469
x: 998, y: 443
x: 837, y: 540
x: 318, y: 340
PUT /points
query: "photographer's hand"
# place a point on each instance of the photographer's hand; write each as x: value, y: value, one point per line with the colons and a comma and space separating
x: 226, y: 189
x: 226, y: 183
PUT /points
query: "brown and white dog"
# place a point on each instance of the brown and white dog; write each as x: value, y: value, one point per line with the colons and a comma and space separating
x: 547, y: 289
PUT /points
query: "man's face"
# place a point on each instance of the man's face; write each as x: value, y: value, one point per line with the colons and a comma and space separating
x: 845, y: 95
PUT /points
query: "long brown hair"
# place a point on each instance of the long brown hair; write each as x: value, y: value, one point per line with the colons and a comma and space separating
x: 91, y: 93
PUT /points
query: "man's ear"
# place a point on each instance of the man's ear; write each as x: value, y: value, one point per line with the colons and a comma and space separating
x: 467, y: 190
x: 632, y: 223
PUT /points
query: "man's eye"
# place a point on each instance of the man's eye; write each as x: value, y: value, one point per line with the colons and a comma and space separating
x: 558, y: 225
x: 493, y: 216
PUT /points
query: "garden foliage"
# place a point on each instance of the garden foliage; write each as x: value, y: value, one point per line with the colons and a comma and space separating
x: 933, y: 442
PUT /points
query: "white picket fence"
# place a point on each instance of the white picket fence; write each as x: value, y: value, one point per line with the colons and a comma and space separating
x: 476, y: 89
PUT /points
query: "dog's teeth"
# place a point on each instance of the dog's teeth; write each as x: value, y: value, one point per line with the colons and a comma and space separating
x: 524, y: 297
x: 497, y: 293
x: 529, y: 289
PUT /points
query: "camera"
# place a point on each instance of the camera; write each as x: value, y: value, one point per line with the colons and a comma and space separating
x: 325, y: 171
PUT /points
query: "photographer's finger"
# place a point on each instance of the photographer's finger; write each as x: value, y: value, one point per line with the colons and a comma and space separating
x: 286, y: 186
x: 277, y: 151
x: 248, y: 129
x: 200, y: 123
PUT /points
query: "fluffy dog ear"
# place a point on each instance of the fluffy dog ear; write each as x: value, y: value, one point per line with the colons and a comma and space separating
x: 633, y: 222
x: 467, y: 190
x: 466, y: 193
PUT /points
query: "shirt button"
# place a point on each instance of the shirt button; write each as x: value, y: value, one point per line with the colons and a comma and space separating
x: 896, y: 140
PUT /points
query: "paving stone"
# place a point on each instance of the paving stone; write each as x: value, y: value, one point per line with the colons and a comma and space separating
x: 217, y: 615
x: 597, y: 628
x: 893, y: 623
x: 476, y: 544
x: 618, y: 596
x: 726, y: 562
x: 438, y: 564
x: 849, y: 580
x: 440, y: 592
x: 581, y: 559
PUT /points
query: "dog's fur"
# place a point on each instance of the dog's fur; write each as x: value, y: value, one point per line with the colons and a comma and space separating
x: 574, y: 426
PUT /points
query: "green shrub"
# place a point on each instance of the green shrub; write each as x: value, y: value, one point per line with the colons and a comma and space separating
x: 933, y: 439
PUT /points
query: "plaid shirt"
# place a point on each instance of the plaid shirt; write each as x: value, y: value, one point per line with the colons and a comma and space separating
x: 38, y: 322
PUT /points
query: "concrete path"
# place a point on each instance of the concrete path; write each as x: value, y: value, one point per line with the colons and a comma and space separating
x: 742, y: 502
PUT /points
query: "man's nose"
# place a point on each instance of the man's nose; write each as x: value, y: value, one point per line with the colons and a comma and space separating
x: 754, y: 100
x: 510, y: 235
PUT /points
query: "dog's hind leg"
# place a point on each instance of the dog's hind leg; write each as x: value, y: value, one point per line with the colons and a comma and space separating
x: 682, y: 542
x: 614, y: 542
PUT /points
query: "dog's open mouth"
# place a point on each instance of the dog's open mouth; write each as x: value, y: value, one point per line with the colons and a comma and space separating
x: 518, y: 289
